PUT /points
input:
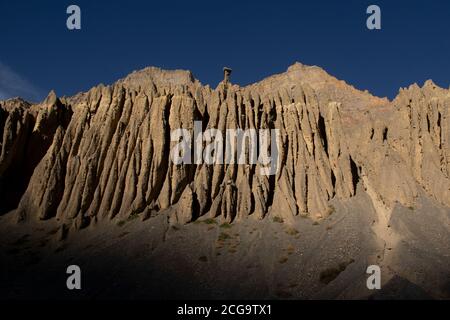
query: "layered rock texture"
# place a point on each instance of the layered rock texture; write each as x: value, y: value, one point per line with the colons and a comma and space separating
x: 105, y: 154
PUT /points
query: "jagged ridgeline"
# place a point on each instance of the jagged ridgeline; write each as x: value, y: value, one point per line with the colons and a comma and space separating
x: 105, y: 154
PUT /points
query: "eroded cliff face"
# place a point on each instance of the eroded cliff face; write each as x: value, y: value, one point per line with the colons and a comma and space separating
x: 105, y: 154
x: 27, y: 133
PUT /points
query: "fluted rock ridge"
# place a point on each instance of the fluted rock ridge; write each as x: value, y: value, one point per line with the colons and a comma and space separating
x: 105, y: 153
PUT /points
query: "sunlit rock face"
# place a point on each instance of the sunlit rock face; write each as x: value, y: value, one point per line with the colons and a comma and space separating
x: 106, y: 153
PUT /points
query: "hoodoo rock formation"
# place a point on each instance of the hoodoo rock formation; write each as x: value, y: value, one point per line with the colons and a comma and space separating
x: 105, y: 154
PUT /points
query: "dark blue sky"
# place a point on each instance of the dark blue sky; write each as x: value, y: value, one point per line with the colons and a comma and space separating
x: 255, y: 38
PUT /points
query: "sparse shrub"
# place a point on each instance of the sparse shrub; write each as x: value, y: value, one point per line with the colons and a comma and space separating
x: 132, y: 216
x: 121, y: 223
x: 291, y: 231
x: 123, y: 234
x: 283, y: 260
x: 330, y: 274
x: 290, y: 249
x: 224, y: 236
x: 315, y: 223
x: 203, y: 259
x: 210, y: 221
x: 330, y: 210
x: 278, y: 219
x: 225, y: 225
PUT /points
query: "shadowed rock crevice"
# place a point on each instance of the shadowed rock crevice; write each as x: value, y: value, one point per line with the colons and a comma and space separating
x: 323, y: 133
x: 355, y: 174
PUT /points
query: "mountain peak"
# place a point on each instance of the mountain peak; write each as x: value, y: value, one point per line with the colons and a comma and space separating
x: 155, y: 75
